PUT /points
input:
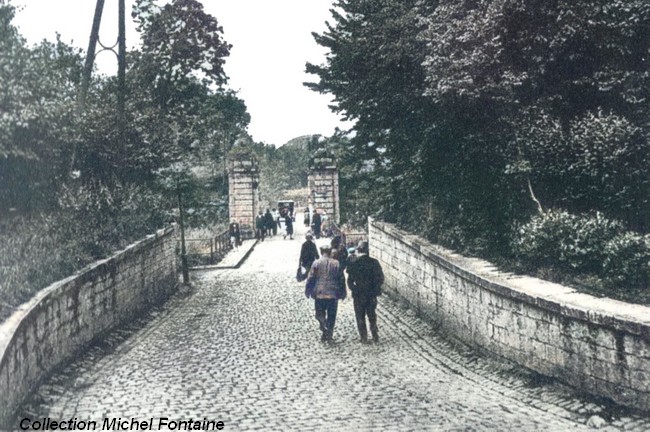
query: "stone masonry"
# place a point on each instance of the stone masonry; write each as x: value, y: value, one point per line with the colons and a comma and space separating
x: 323, y: 184
x: 243, y: 179
x: 63, y: 319
x: 597, y: 345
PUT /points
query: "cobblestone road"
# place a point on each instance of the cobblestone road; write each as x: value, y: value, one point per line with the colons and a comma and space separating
x: 242, y: 346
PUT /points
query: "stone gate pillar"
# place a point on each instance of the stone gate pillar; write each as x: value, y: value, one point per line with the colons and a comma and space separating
x: 323, y: 184
x: 243, y: 196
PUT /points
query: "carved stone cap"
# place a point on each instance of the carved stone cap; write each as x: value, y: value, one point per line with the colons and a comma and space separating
x: 241, y: 161
x: 322, y: 161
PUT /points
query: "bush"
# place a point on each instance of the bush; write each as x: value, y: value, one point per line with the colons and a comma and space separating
x: 627, y: 261
x: 570, y: 243
x: 100, y: 219
x: 89, y: 224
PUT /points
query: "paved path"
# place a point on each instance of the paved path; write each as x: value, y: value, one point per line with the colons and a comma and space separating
x: 242, y: 346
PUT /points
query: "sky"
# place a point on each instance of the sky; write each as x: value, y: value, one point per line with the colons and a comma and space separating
x: 271, y: 43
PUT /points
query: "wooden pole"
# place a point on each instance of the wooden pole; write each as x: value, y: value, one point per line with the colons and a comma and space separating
x: 121, y: 63
x: 90, y: 54
x: 184, y: 266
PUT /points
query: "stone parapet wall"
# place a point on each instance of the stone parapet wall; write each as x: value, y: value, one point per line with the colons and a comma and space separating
x: 64, y: 318
x: 598, y: 345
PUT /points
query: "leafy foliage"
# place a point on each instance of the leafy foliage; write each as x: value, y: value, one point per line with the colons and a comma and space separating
x: 585, y: 246
x: 566, y: 242
x: 41, y: 248
x: 196, y: 45
x: 601, y: 163
x: 627, y: 261
x: 566, y: 81
x: 37, y: 93
x: 295, y: 159
x: 277, y: 170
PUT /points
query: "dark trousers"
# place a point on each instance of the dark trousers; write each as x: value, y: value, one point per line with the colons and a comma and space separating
x: 366, y: 306
x: 326, y: 316
x: 260, y: 234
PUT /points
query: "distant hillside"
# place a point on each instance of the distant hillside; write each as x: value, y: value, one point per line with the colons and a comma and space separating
x: 300, y: 142
x: 294, y: 156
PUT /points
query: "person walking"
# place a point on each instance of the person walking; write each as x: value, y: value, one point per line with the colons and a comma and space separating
x: 316, y: 224
x: 306, y: 217
x: 326, y: 285
x: 365, y: 278
x: 234, y: 233
x: 308, y: 252
x: 339, y: 252
x: 288, y: 223
x: 268, y: 222
x: 259, y: 226
x: 276, y: 221
x: 280, y: 219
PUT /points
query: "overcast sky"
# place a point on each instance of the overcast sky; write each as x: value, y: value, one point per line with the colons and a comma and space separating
x: 271, y: 43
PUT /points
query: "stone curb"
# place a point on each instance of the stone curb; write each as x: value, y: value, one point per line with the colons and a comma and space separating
x: 222, y: 267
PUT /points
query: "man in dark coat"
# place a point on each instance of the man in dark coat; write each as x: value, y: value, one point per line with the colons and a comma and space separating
x: 288, y: 223
x: 339, y: 252
x: 308, y: 252
x: 260, y: 227
x: 365, y: 278
x: 268, y: 222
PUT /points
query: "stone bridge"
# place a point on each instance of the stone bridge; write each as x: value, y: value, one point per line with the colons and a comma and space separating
x: 241, y: 347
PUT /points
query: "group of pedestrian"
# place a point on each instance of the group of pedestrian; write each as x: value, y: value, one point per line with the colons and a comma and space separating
x: 267, y: 224
x: 326, y: 284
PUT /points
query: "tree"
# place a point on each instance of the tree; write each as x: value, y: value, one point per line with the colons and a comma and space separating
x: 228, y: 120
x: 566, y: 57
x: 601, y: 163
x: 182, y: 110
x: 467, y: 103
x: 196, y: 48
x: 549, y: 75
x: 37, y: 93
x: 178, y: 182
x: 374, y: 71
